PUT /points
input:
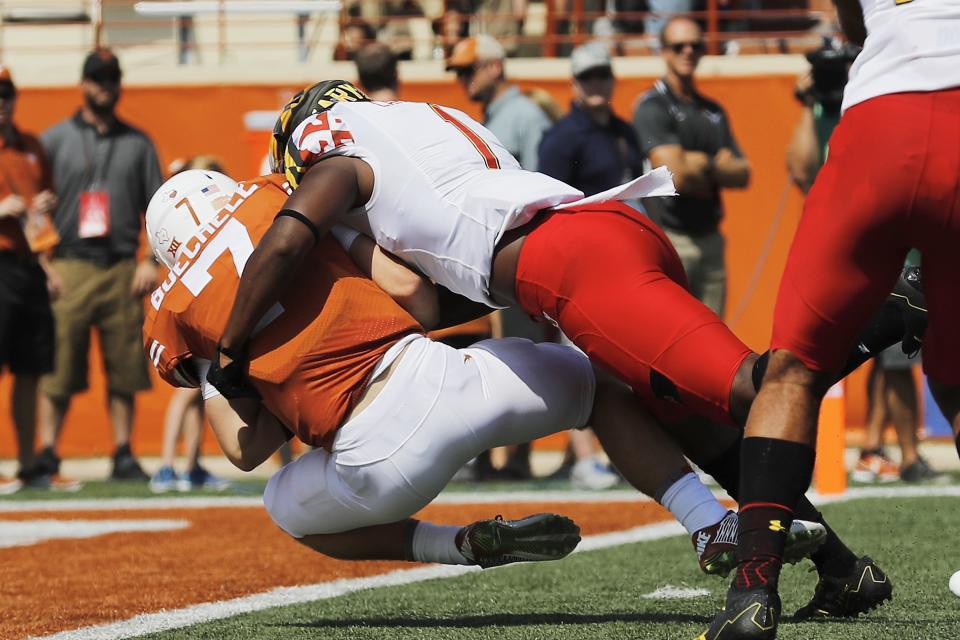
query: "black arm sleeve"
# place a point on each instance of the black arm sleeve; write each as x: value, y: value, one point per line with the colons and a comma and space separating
x: 454, y: 309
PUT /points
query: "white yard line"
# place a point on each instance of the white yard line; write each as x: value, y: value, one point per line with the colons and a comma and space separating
x: 21, y: 533
x: 179, y: 618
x: 451, y: 497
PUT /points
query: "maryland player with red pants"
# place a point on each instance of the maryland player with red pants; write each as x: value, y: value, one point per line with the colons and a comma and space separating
x: 598, y: 269
x: 891, y: 182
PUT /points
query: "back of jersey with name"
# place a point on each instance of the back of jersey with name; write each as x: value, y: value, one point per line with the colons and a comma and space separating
x: 912, y: 45
x: 311, y: 359
x: 445, y: 188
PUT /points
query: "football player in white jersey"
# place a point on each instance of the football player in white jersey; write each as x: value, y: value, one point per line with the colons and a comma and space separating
x: 890, y: 183
x: 435, y: 188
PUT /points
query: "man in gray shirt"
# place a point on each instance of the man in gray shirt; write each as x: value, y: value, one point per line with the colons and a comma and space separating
x: 514, y: 118
x: 679, y: 127
x: 104, y: 172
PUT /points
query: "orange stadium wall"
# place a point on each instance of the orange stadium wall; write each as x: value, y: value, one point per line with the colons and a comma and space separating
x: 189, y: 120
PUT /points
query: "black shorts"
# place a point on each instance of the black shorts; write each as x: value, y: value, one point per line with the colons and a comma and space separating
x: 26, y: 320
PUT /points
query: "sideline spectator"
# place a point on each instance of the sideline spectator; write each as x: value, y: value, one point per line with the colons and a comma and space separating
x: 26, y: 283
x: 893, y: 397
x: 690, y: 134
x: 354, y: 36
x: 500, y: 19
x: 377, y: 70
x: 663, y: 12
x: 518, y: 123
x: 395, y: 31
x: 515, y: 119
x: 105, y: 172
x: 593, y: 150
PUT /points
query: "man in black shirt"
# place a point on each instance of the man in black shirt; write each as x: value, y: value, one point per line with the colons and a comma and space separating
x: 590, y: 148
x: 691, y: 135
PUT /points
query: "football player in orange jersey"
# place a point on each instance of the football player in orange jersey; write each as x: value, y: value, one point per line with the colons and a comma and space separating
x: 342, y: 366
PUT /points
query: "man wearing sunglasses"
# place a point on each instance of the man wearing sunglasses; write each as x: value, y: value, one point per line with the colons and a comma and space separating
x: 104, y: 171
x: 691, y: 135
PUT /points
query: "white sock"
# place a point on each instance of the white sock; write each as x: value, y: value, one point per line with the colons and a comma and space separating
x: 692, y: 504
x: 437, y: 543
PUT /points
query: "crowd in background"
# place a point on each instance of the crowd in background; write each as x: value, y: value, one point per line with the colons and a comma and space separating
x: 630, y: 27
x: 72, y: 201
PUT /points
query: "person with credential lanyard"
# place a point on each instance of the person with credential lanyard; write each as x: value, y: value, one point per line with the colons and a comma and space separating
x: 104, y: 171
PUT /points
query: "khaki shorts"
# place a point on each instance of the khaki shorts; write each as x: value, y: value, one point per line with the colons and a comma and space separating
x: 703, y: 260
x: 97, y: 296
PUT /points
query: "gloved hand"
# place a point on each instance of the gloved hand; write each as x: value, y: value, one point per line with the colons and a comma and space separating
x: 230, y: 379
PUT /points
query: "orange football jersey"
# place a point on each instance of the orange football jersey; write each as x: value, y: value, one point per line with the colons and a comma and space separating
x: 311, y: 360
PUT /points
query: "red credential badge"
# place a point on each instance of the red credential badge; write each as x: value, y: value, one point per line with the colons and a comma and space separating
x: 94, y: 214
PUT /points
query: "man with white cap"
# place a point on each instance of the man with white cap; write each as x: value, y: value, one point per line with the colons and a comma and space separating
x: 591, y: 148
x: 514, y: 118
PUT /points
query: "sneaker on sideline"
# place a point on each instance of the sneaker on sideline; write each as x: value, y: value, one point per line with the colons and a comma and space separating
x: 921, y: 471
x: 126, y: 466
x: 199, y: 478
x: 164, y: 480
x: 875, y: 466
x: 592, y: 475
x: 9, y: 486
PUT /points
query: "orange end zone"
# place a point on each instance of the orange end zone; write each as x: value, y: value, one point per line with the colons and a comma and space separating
x: 225, y: 553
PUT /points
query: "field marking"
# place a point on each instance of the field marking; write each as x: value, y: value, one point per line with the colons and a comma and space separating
x: 188, y: 616
x: 178, y: 618
x: 26, y: 532
x: 670, y: 592
x: 452, y: 497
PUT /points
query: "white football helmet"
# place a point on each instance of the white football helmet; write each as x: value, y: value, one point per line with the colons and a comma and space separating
x: 181, y: 206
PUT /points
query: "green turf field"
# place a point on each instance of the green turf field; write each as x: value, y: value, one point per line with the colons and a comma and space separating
x: 599, y: 594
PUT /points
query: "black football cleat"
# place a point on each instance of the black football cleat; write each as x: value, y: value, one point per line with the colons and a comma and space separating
x: 543, y: 536
x: 865, y: 588
x: 752, y: 614
x: 907, y: 296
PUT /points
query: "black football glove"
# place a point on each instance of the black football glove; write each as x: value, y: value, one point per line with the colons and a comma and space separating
x: 231, y: 381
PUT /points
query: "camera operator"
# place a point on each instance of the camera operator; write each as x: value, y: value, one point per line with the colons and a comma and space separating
x: 820, y: 90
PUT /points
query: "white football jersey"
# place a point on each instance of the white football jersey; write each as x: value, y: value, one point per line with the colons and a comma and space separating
x: 445, y: 189
x: 912, y: 45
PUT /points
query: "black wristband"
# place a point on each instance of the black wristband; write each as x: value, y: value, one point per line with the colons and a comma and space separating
x: 296, y: 215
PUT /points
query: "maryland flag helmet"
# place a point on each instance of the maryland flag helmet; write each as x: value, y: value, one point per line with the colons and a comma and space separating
x: 284, y: 156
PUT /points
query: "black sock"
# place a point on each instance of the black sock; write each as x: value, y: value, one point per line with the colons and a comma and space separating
x: 123, y: 451
x: 957, y: 441
x: 725, y: 469
x: 774, y: 474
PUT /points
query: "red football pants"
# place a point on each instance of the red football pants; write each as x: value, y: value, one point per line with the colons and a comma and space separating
x: 891, y: 182
x: 614, y: 284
